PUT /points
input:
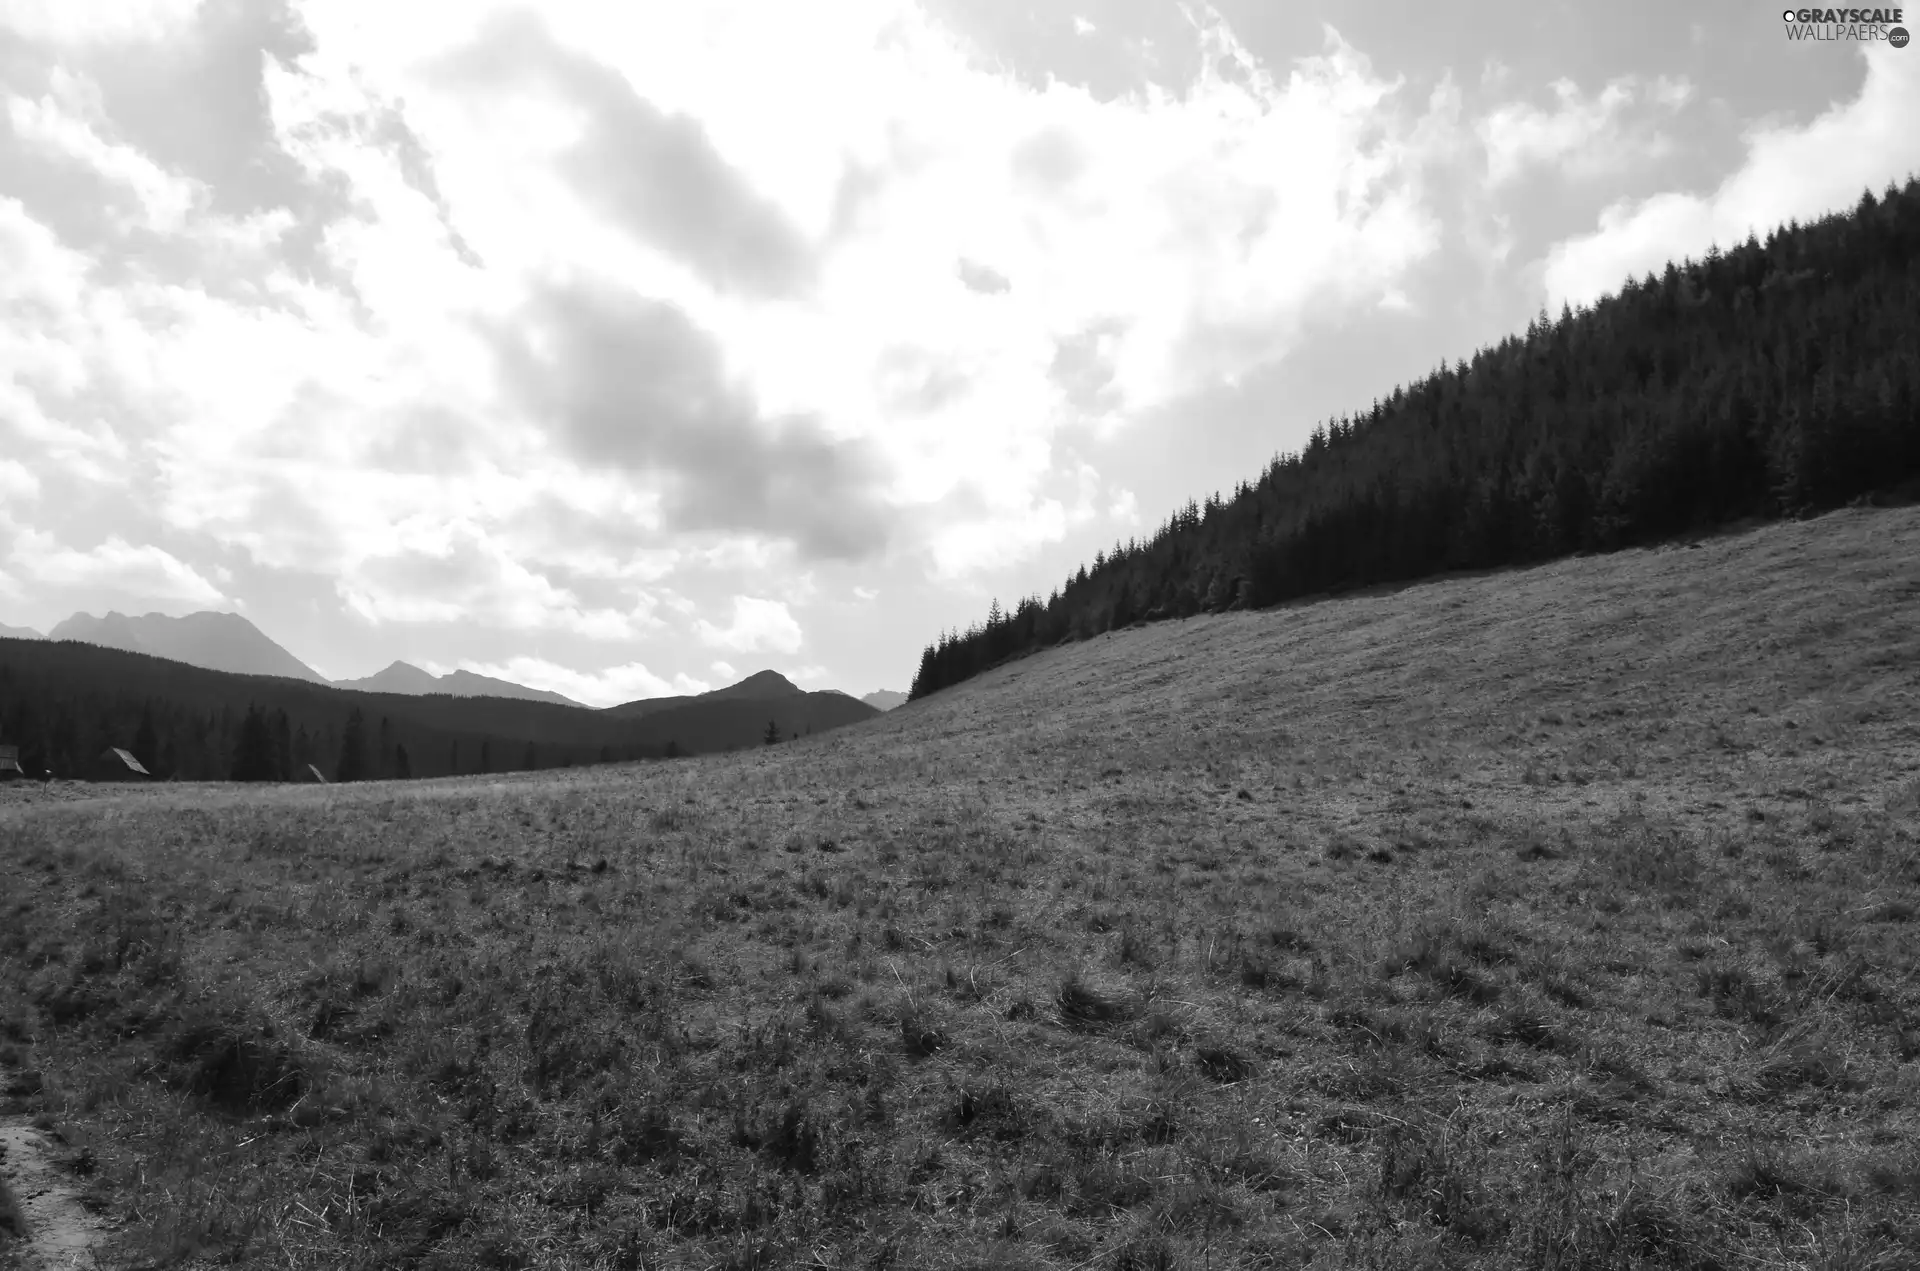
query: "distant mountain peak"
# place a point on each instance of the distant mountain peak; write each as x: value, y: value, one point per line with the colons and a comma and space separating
x: 885, y: 699
x: 406, y: 678
x: 216, y: 641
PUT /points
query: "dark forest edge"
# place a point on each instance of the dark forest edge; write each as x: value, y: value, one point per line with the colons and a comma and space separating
x: 66, y: 705
x: 1774, y: 380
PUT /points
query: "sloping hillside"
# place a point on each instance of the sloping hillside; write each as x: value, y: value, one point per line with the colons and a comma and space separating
x: 1552, y: 918
x: 1689, y: 400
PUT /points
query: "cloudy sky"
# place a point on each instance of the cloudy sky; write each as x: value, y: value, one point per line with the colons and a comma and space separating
x: 628, y: 348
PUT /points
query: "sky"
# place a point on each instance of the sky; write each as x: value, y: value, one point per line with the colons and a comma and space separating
x: 627, y: 349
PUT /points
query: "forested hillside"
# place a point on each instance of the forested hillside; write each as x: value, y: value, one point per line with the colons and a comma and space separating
x: 1770, y: 380
x: 64, y: 702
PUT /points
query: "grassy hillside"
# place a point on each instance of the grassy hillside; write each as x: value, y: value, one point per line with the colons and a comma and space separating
x: 1693, y: 399
x: 1560, y: 918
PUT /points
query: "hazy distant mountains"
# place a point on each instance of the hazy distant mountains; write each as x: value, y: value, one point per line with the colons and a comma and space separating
x: 215, y: 641
x: 404, y: 677
x: 762, y: 686
x: 228, y: 642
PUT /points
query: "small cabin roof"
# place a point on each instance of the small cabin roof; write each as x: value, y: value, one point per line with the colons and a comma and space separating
x: 113, y: 754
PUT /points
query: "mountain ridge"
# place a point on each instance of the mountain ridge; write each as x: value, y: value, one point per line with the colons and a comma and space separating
x: 406, y: 678
x: 210, y: 639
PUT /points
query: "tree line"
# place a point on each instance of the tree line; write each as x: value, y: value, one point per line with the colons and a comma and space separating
x: 1775, y: 379
x: 64, y: 704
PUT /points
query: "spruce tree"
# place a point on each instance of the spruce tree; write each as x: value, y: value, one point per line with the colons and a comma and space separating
x: 146, y: 742
x: 772, y: 734
x: 253, y: 748
x: 353, y: 747
x: 402, y: 768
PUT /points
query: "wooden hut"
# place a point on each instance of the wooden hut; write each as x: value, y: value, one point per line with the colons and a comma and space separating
x: 10, y: 763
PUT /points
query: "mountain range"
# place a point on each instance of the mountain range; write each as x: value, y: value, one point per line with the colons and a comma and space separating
x: 216, y: 641
x: 229, y: 642
x: 404, y: 677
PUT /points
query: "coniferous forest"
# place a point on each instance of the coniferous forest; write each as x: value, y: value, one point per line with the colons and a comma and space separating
x: 63, y: 703
x: 1771, y: 380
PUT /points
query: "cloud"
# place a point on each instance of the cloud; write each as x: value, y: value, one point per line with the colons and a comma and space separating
x: 725, y: 671
x: 982, y: 278
x: 142, y: 571
x: 657, y: 173
x: 609, y: 686
x: 17, y: 483
x: 60, y: 22
x: 463, y: 575
x: 628, y: 381
x: 757, y: 626
x: 1790, y: 172
x: 1581, y: 136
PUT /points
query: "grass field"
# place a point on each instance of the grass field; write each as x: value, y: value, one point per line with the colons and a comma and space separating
x: 1566, y: 918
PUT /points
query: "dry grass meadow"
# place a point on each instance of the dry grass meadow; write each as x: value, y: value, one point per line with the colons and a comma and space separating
x: 1563, y: 918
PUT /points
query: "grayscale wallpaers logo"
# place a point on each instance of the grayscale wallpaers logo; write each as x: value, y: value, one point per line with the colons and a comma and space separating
x: 1823, y: 25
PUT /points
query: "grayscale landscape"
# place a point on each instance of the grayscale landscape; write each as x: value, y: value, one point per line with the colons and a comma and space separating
x: 959, y: 636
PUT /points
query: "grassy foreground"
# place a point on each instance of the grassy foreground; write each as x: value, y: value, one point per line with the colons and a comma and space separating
x: 1565, y: 918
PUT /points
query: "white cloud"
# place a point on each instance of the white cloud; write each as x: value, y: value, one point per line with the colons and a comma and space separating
x: 1790, y: 172
x: 143, y: 571
x: 64, y: 123
x: 1306, y: 196
x: 346, y: 418
x: 757, y: 625
x: 607, y: 687
x: 68, y: 22
x: 1581, y: 136
x: 725, y: 671
x: 17, y: 483
x: 460, y: 573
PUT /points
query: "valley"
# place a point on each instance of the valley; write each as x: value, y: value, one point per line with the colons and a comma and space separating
x: 1549, y: 917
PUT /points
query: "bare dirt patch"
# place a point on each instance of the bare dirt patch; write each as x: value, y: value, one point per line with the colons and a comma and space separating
x: 55, y: 1229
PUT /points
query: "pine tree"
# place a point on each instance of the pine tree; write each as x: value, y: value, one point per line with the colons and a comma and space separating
x: 253, y: 748
x: 353, y: 759
x: 402, y: 768
x: 528, y: 762
x: 282, y: 746
x: 772, y: 734
x: 146, y: 742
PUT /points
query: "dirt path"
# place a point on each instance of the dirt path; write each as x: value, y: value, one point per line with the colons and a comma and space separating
x: 60, y: 1232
